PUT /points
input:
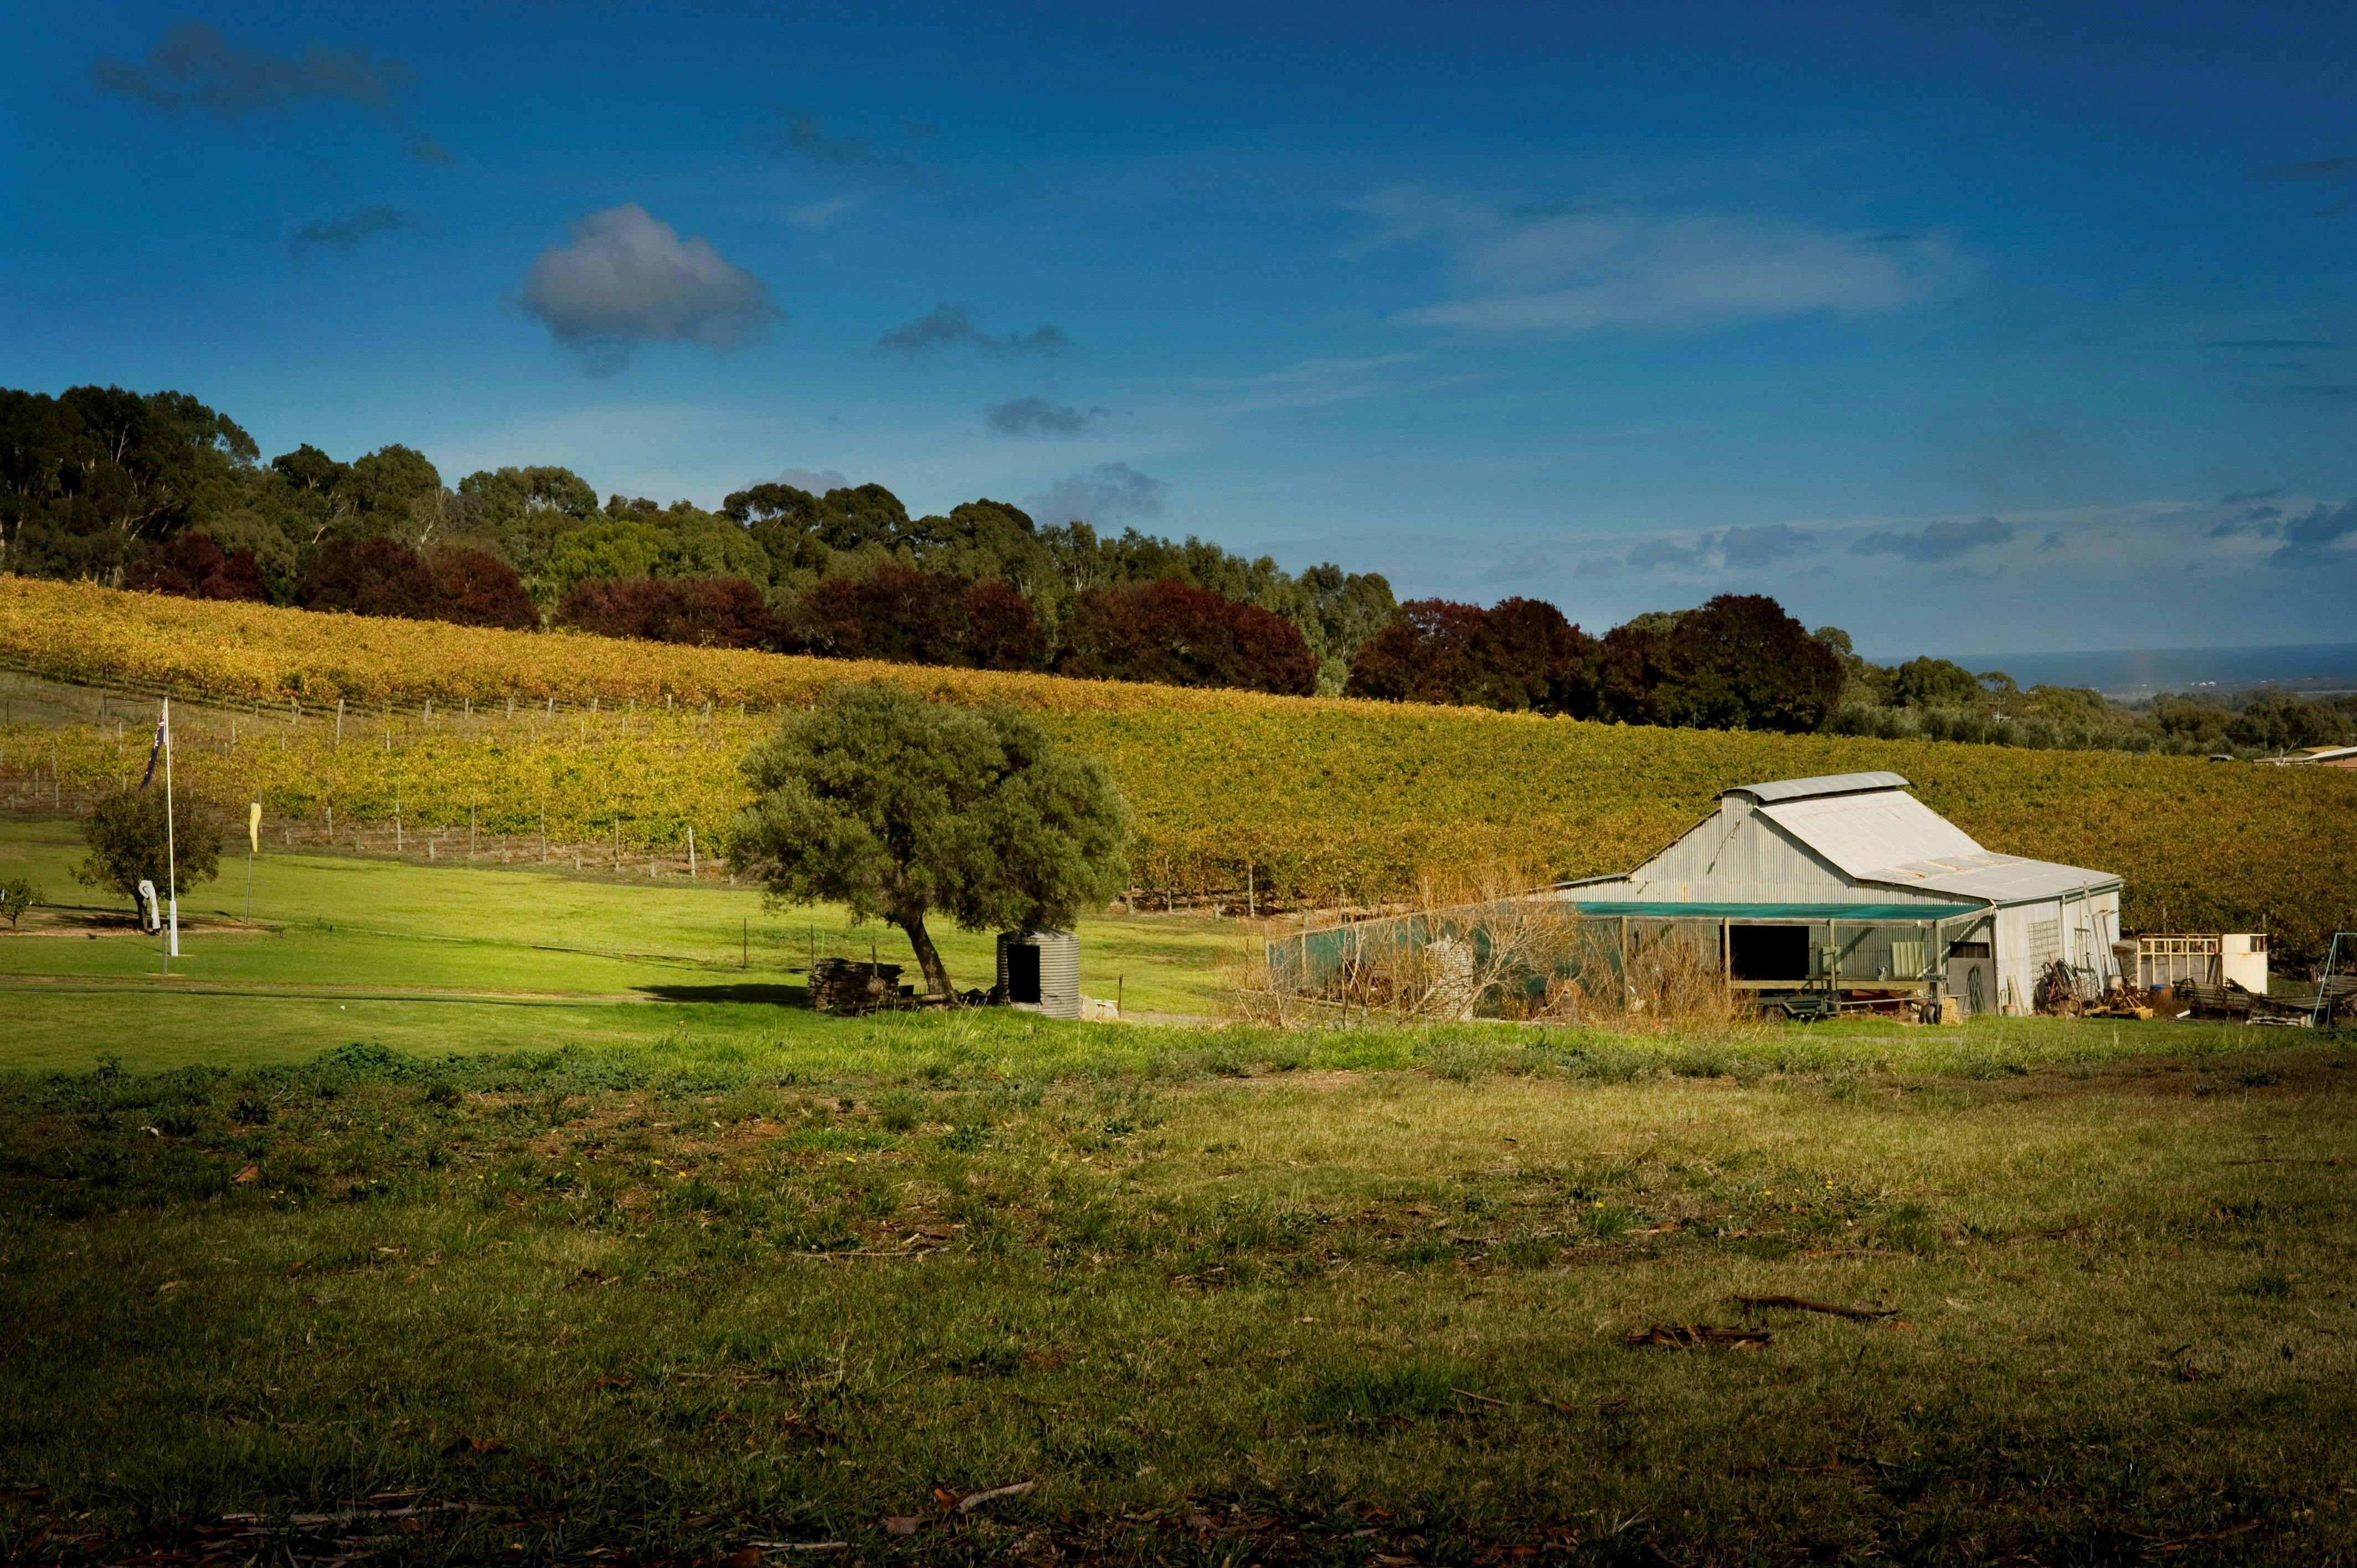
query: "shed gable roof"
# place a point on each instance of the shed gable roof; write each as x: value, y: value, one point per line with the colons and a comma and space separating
x: 1889, y: 837
x: 1861, y: 833
x: 1811, y: 789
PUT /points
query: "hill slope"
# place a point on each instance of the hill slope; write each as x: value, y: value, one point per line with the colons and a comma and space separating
x: 1308, y: 798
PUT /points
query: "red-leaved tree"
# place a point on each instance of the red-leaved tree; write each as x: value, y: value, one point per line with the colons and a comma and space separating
x: 894, y: 613
x: 706, y: 612
x: 192, y: 566
x: 906, y: 617
x: 1001, y: 632
x: 474, y: 587
x: 371, y: 577
x: 1519, y: 655
x: 1170, y: 632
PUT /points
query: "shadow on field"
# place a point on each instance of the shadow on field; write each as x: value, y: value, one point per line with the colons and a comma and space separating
x: 736, y: 991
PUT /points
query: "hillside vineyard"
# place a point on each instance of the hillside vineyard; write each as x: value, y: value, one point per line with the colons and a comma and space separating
x: 1306, y: 799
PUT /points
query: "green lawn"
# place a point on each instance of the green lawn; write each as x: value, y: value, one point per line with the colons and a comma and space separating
x: 654, y: 1280
x: 393, y: 929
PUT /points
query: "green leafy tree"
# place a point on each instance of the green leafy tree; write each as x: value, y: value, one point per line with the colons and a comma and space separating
x: 611, y: 549
x: 519, y: 514
x: 902, y: 808
x: 400, y: 495
x: 126, y: 835
x: 18, y: 894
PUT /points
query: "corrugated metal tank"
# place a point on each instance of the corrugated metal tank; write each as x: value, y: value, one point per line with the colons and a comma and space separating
x: 1040, y: 972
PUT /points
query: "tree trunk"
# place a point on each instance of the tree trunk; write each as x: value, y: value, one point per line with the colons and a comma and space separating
x: 929, y: 958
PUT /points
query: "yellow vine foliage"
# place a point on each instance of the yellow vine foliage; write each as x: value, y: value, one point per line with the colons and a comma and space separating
x: 1305, y: 799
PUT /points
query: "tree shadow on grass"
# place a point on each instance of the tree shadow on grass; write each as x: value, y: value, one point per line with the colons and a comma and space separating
x: 733, y: 991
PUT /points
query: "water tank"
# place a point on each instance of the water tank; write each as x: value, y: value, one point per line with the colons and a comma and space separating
x: 1040, y: 972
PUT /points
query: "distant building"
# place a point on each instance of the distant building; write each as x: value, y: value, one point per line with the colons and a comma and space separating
x: 1849, y: 880
x: 2318, y: 757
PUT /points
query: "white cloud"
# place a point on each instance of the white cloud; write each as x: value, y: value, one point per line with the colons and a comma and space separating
x: 627, y: 279
x: 1584, y: 268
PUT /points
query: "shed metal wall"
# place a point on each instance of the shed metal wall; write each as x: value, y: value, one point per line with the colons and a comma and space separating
x: 1060, y: 971
x: 2030, y: 935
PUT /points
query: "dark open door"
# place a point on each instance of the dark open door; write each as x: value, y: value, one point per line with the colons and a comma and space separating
x: 1767, y: 952
x: 1023, y: 974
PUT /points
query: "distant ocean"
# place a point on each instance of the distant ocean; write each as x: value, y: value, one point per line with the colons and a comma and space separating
x: 2308, y: 667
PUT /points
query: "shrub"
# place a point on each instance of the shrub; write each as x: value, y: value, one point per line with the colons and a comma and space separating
x: 16, y: 895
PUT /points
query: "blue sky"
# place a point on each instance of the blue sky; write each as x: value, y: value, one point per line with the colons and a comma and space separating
x: 1975, y: 330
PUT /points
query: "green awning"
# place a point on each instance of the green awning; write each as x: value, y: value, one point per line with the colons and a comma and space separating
x: 1608, y: 908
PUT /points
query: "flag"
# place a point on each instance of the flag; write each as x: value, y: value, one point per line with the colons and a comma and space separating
x: 154, y: 752
x: 254, y: 827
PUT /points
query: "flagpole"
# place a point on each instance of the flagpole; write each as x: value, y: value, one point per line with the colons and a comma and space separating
x: 171, y: 846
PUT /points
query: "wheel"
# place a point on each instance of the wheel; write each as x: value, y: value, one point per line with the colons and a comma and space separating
x: 1776, y: 1013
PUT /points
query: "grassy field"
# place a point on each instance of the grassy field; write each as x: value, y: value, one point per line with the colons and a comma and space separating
x: 423, y: 957
x: 560, y: 1267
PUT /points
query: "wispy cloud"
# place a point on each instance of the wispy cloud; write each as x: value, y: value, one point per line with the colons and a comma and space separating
x: 1106, y: 494
x: 1935, y: 541
x: 627, y: 278
x: 1734, y: 550
x: 798, y: 134
x: 349, y: 230
x: 2324, y: 534
x: 2311, y: 168
x: 192, y: 69
x: 819, y: 214
x: 817, y: 481
x: 1037, y: 416
x: 2267, y: 345
x: 1581, y: 268
x: 948, y: 329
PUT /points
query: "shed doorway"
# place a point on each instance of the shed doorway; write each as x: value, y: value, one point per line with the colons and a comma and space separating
x: 1972, y: 976
x: 1023, y: 974
x: 1767, y: 952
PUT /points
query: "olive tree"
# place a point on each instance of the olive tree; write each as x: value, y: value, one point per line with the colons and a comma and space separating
x: 126, y: 834
x: 902, y: 808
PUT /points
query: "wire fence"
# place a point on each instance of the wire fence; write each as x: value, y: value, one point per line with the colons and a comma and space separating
x: 656, y: 844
